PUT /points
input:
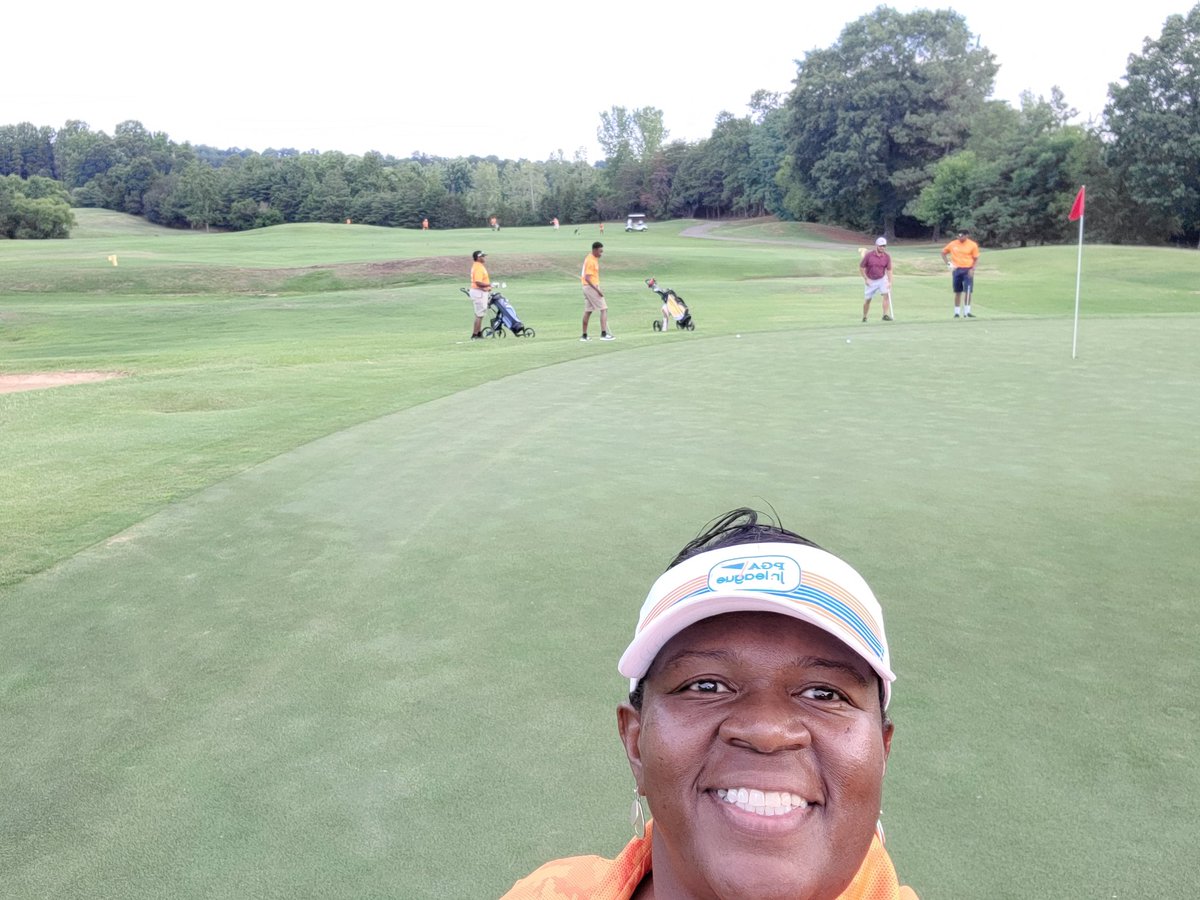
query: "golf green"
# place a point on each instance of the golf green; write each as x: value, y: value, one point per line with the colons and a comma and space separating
x: 383, y: 664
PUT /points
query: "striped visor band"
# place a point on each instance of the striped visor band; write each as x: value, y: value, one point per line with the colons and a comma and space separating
x: 790, y: 579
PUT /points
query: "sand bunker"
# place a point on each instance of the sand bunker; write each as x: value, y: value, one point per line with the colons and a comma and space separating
x: 33, y: 381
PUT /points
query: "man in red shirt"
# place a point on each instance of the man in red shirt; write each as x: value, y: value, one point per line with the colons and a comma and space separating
x: 876, y: 268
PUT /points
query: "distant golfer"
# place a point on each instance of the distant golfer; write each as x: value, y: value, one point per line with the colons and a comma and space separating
x: 593, y: 297
x: 481, y: 287
x: 876, y: 268
x: 962, y: 253
x: 424, y: 224
x: 554, y: 222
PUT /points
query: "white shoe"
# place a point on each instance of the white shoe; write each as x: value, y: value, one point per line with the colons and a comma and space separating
x: 607, y: 337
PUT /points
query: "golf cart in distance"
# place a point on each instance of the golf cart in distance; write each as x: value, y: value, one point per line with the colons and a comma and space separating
x: 635, y: 222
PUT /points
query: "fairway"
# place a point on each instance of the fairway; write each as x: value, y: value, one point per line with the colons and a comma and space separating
x: 318, y: 600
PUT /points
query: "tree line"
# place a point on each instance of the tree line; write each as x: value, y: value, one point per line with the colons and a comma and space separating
x: 891, y: 129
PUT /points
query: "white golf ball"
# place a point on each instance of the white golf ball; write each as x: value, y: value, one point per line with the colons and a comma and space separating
x: 737, y: 335
x: 847, y: 340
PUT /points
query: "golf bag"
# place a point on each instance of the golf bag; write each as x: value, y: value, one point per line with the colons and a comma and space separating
x: 506, y: 317
x: 674, y: 306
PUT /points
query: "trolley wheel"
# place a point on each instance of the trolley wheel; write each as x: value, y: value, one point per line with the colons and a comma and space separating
x: 487, y: 333
x: 658, y: 325
x: 500, y: 332
x: 691, y: 326
x: 529, y: 332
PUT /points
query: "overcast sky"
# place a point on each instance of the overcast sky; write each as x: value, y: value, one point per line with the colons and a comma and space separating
x: 513, y: 80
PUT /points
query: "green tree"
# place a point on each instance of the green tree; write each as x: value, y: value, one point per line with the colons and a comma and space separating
x: 199, y: 195
x: 132, y: 140
x: 523, y: 187
x: 295, y: 181
x: 729, y: 147
x: 35, y: 207
x: 1153, y: 120
x: 768, y: 148
x: 245, y: 214
x: 631, y: 134
x: 161, y: 204
x: 572, y: 190
x: 483, y: 198
x: 698, y: 184
x: 650, y: 132
x: 630, y: 140
x: 1031, y: 191
x: 329, y: 199
x: 81, y: 154
x: 946, y: 202
x: 660, y: 182
x: 1015, y: 182
x: 432, y: 197
x: 27, y: 150
x: 871, y: 115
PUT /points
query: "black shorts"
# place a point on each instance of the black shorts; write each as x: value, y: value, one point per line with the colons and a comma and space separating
x: 963, y: 280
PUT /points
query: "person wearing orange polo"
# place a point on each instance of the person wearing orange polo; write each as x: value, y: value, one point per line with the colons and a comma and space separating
x: 481, y: 286
x: 593, y: 297
x: 962, y: 254
x: 597, y: 878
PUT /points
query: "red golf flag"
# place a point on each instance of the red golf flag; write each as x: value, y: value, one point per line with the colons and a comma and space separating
x: 1077, y: 206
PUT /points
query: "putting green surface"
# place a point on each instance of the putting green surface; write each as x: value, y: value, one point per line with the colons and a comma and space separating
x: 383, y: 664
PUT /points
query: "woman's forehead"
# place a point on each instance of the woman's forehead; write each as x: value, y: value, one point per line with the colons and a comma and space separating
x: 757, y: 637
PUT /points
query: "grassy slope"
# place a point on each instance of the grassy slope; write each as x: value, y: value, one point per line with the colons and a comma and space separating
x: 369, y: 667
x: 253, y: 352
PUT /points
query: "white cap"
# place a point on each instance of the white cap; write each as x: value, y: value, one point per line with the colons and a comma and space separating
x: 795, y: 580
x: 880, y: 242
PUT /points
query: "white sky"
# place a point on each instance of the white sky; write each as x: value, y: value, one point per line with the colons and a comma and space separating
x: 469, y: 77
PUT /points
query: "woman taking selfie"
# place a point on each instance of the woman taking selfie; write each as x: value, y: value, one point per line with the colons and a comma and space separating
x: 756, y: 730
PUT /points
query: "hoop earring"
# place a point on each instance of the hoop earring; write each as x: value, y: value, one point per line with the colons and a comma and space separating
x: 637, y: 816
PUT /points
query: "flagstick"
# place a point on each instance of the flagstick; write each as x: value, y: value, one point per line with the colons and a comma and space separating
x: 1078, y: 273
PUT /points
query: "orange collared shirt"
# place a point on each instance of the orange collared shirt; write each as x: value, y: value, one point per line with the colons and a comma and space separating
x: 963, y: 254
x: 479, y: 275
x: 591, y: 266
x: 596, y: 878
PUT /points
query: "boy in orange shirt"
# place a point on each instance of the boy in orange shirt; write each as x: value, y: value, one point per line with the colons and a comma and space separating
x: 593, y: 297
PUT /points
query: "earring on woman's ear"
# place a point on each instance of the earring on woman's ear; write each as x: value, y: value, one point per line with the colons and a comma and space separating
x: 637, y: 816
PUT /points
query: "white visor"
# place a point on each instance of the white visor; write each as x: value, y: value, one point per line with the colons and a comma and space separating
x: 791, y: 579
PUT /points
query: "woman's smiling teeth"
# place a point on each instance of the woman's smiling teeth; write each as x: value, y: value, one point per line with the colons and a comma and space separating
x: 762, y: 803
